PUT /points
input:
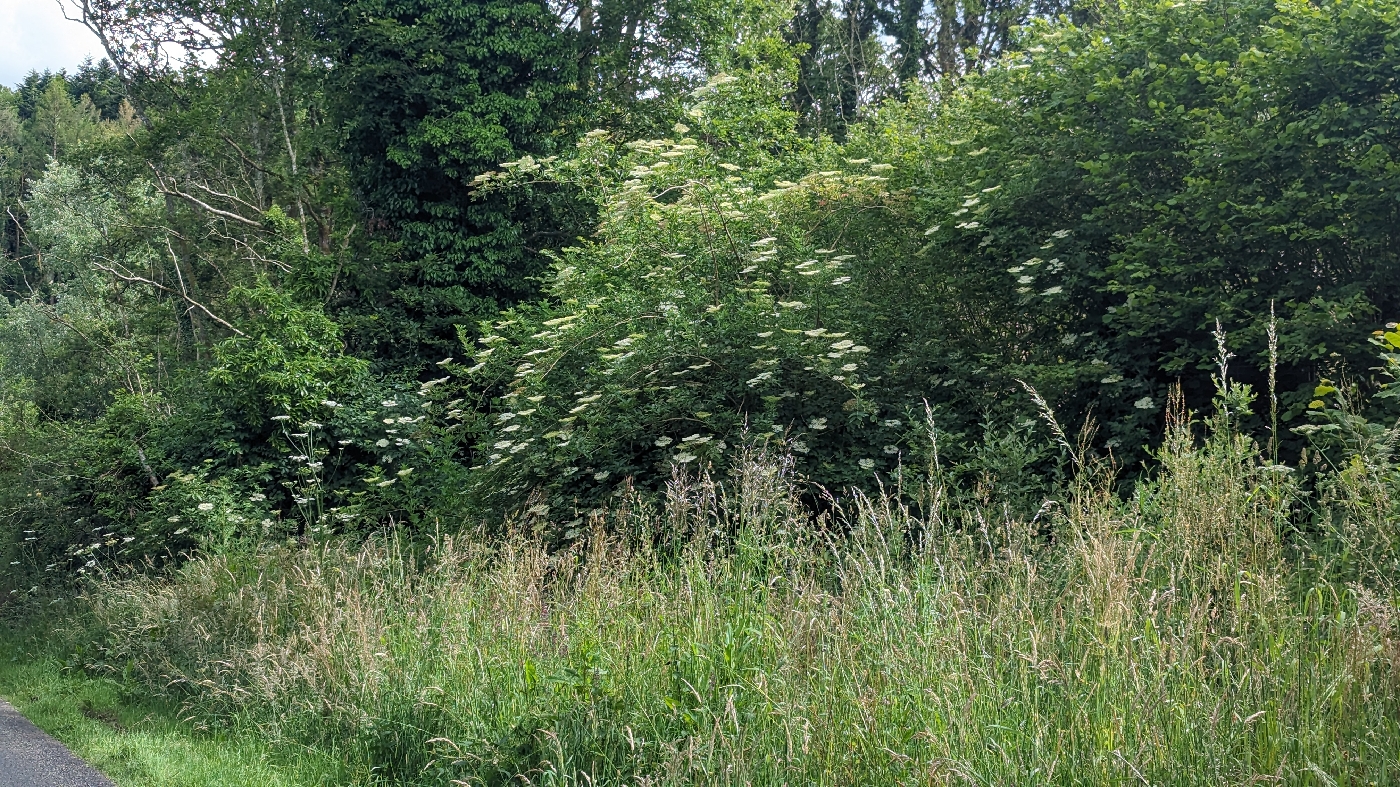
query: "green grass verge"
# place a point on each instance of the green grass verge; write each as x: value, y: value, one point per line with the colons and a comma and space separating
x: 138, y: 742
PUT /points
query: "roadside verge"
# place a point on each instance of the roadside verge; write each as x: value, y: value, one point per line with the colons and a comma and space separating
x: 135, y: 741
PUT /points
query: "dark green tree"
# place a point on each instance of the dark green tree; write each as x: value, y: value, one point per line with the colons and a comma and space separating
x: 1129, y: 185
x: 98, y: 81
x: 435, y: 93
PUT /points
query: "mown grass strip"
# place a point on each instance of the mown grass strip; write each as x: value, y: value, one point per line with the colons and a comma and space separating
x: 136, y: 741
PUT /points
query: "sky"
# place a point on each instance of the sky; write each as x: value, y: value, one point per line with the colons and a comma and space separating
x: 34, y: 36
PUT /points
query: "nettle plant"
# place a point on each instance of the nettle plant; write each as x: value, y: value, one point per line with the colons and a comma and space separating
x: 714, y: 306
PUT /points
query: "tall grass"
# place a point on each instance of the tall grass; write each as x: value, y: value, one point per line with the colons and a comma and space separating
x: 1187, y: 635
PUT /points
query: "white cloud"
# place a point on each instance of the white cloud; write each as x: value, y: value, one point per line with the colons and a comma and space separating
x: 34, y: 36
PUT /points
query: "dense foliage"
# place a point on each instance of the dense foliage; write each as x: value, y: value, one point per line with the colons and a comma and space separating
x: 1088, y: 217
x: 282, y: 270
x: 433, y: 96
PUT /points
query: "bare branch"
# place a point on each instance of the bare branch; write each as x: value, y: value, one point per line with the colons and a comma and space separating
x: 230, y: 197
x: 127, y: 276
x: 166, y: 188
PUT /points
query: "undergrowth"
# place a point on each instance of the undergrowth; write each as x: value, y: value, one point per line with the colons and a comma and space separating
x: 1197, y: 631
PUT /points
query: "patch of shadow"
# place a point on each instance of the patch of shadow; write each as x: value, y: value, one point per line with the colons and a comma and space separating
x: 108, y: 717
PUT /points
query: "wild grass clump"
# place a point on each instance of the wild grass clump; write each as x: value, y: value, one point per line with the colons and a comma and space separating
x: 1185, y: 634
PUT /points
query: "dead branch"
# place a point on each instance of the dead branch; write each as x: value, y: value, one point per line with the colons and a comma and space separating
x: 166, y: 188
x: 130, y: 277
x: 231, y: 197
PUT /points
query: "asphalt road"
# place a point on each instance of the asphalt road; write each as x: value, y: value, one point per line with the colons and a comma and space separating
x: 30, y: 758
